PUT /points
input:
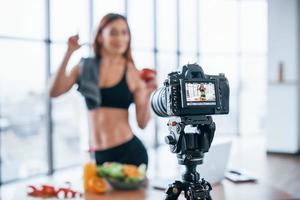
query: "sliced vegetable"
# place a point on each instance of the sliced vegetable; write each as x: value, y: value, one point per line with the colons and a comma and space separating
x: 91, y: 182
x: 96, y: 184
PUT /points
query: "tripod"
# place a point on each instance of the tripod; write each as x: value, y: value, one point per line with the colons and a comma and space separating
x: 190, y: 148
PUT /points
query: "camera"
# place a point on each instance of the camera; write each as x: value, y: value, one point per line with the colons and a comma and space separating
x: 191, y: 92
x: 188, y: 98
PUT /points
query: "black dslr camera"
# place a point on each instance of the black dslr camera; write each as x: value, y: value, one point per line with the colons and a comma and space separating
x: 188, y: 98
x: 191, y: 92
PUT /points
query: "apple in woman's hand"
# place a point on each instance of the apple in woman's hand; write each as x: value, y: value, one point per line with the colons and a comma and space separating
x: 147, y: 74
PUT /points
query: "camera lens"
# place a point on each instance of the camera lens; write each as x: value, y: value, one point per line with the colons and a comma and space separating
x: 159, y: 102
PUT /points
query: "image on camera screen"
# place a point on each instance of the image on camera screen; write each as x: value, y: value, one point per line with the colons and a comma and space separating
x: 200, y: 93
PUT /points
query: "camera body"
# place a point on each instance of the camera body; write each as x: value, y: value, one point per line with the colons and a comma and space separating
x: 191, y: 92
x: 188, y: 98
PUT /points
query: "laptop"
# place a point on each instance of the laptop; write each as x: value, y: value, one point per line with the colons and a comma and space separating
x: 213, y: 168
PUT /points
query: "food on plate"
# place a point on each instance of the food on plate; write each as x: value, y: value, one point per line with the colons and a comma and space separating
x: 123, y: 176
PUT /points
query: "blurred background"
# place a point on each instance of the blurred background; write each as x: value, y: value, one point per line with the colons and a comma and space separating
x: 39, y: 135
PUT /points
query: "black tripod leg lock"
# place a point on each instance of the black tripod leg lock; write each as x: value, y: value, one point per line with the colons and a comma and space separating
x: 174, y: 190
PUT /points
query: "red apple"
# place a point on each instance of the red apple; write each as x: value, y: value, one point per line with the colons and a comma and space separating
x: 147, y: 74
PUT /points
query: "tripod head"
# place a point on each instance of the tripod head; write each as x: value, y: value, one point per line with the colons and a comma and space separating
x: 190, y: 137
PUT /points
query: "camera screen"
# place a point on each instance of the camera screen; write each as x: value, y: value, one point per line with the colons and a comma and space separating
x: 200, y: 93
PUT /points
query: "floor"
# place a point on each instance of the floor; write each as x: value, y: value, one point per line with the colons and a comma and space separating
x: 280, y: 171
x: 248, y: 153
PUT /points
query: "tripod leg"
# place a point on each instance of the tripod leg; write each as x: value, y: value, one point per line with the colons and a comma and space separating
x: 198, y: 191
x: 173, y: 191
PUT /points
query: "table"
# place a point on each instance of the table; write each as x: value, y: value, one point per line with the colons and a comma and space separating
x: 223, y: 190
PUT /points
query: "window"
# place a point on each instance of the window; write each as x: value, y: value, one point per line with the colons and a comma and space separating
x: 253, y: 94
x: 23, y: 18
x: 188, y: 26
x: 166, y: 25
x: 166, y: 64
x: 188, y: 58
x: 215, y: 64
x: 140, y: 18
x: 23, y: 126
x: 102, y: 7
x: 253, y: 27
x: 69, y: 116
x: 69, y: 17
x: 143, y: 59
x: 218, y: 26
x: 253, y: 68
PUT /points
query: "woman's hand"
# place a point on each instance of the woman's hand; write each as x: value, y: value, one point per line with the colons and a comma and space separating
x: 149, y: 78
x: 151, y: 84
x: 73, y: 44
x: 62, y: 81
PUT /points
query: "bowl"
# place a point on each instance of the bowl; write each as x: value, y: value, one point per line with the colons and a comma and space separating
x: 125, y: 185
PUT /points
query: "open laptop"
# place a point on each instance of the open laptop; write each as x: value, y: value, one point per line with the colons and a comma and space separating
x: 213, y: 168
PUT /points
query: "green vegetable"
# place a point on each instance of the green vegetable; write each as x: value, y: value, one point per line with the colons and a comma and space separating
x: 133, y: 179
x: 114, y: 171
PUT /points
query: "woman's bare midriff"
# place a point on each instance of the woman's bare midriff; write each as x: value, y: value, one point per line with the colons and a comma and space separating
x: 109, y: 127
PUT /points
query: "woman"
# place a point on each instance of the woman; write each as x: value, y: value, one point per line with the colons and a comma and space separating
x: 110, y: 83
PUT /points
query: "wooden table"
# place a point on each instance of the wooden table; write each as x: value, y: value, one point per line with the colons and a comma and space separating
x: 242, y: 151
x: 224, y: 190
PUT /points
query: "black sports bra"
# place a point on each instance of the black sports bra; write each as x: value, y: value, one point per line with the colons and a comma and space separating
x: 117, y: 96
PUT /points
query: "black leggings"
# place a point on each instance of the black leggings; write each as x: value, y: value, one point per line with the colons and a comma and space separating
x: 131, y: 152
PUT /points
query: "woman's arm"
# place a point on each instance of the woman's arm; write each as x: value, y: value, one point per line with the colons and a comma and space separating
x: 142, y: 92
x: 142, y: 100
x: 62, y: 81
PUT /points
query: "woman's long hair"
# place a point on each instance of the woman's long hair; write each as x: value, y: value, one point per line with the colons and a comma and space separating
x: 107, y: 19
